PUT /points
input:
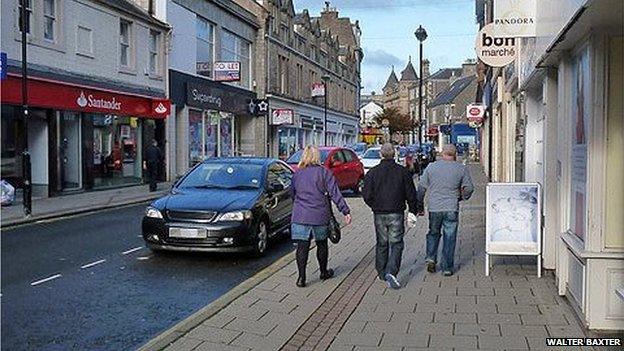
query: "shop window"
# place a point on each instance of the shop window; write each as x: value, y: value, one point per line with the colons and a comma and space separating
x: 205, y: 47
x: 125, y: 34
x: 235, y: 48
x: 117, y: 150
x: 154, y: 46
x: 210, y: 135
x: 581, y: 105
x: 28, y: 15
x: 49, y: 19
x: 11, y: 168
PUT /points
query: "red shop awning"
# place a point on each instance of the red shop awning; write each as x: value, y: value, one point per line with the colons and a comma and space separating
x: 64, y: 96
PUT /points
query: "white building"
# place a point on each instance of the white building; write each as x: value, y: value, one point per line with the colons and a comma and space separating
x: 368, y: 113
x: 558, y: 119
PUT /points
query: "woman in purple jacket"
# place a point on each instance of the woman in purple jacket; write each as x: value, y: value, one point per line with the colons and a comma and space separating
x: 311, y: 211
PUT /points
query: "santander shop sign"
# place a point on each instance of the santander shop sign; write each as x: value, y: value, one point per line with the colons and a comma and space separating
x: 101, y: 103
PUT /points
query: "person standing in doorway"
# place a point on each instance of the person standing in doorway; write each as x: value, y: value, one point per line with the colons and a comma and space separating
x: 151, y: 164
x: 387, y: 188
x: 312, y: 188
x: 447, y: 182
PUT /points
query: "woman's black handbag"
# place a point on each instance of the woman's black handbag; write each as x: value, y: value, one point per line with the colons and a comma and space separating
x: 334, y: 226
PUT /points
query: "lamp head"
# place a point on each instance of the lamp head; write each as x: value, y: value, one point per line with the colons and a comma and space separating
x: 421, y: 34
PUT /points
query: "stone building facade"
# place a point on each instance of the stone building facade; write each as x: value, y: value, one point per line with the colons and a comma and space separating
x: 297, y: 52
x: 97, y: 93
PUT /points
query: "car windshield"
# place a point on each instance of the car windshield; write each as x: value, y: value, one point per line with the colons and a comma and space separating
x: 296, y: 157
x: 224, y: 176
x: 372, y: 154
x: 359, y: 148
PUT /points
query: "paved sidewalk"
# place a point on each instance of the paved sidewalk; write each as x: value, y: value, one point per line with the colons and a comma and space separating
x: 59, y: 206
x: 511, y: 309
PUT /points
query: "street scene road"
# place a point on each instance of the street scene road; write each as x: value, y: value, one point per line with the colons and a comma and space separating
x: 88, y: 283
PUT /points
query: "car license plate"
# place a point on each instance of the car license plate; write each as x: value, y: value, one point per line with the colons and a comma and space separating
x: 187, y: 233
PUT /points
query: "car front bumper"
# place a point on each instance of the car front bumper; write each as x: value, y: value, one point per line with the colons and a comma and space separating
x: 220, y: 237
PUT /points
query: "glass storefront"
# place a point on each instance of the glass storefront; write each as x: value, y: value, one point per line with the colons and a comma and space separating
x: 117, y: 156
x: 210, y: 135
x: 10, y: 164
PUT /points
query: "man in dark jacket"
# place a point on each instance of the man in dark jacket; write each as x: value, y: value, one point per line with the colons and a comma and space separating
x: 152, y: 160
x: 387, y: 187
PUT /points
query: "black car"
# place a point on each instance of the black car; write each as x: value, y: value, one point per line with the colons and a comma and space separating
x: 222, y: 205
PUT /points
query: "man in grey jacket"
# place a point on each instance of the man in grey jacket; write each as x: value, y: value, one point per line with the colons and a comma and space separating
x: 447, y: 182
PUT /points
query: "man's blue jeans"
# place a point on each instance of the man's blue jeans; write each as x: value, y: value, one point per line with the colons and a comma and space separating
x: 442, y: 223
x: 389, y: 229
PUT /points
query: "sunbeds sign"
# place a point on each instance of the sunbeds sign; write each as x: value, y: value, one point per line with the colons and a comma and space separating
x: 513, y: 224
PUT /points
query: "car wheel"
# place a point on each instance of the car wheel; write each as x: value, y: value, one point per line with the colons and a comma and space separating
x: 359, y: 187
x: 262, y: 239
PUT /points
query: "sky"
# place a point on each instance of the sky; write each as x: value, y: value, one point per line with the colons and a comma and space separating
x: 388, y: 33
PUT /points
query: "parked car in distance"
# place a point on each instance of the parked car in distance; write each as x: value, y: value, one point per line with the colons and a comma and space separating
x: 222, y: 205
x: 371, y: 158
x: 342, y: 162
x: 359, y: 148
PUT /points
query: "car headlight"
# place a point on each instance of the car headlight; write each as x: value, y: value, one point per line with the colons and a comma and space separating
x: 237, y: 216
x: 153, y: 212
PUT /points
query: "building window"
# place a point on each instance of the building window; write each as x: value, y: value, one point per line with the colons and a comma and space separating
x: 49, y: 18
x: 28, y: 14
x: 235, y: 48
x: 154, y: 45
x: 283, y: 75
x: 125, y: 34
x: 205, y: 47
x: 84, y: 41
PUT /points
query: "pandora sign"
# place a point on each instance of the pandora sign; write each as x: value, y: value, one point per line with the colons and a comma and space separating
x: 515, y: 18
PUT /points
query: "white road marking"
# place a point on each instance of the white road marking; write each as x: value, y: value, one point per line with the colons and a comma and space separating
x: 92, y: 264
x: 132, y: 250
x: 142, y: 258
x: 45, y: 279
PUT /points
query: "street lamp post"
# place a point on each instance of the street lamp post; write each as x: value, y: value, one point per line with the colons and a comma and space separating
x: 421, y: 35
x: 325, y: 79
x: 26, y: 167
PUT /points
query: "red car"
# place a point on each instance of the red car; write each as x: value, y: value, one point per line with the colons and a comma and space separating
x: 344, y: 164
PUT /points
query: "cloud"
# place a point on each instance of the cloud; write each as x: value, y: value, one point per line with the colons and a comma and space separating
x: 380, y: 57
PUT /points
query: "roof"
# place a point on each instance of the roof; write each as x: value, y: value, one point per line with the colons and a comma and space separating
x: 240, y: 160
x: 392, y: 80
x: 409, y: 73
x: 367, y: 102
x: 446, y: 73
x: 451, y: 92
x: 133, y: 9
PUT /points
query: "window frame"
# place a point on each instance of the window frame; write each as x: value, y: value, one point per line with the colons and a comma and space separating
x: 154, y: 52
x: 53, y: 17
x: 30, y: 11
x: 238, y: 55
x: 210, y: 40
x: 129, y: 45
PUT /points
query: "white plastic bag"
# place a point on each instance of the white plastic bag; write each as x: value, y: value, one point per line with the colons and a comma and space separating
x: 7, y: 195
x: 411, y: 220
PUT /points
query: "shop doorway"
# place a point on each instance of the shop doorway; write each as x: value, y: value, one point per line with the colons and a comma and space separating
x: 69, y: 142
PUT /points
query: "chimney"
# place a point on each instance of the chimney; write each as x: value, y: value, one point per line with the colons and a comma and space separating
x: 469, y: 68
x: 425, y: 69
x: 329, y: 12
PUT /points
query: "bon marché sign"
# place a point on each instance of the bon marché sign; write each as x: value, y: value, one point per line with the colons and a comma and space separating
x: 494, y: 49
x: 515, y: 18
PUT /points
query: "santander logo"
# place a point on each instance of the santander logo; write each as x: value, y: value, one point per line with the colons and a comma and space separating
x: 91, y: 101
x: 82, y: 100
x: 160, y: 108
